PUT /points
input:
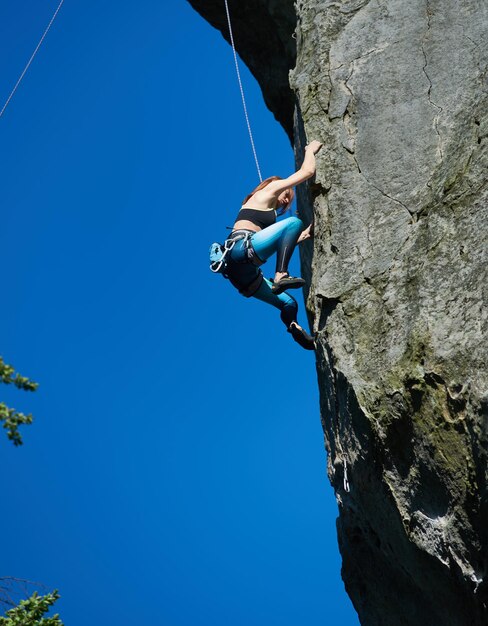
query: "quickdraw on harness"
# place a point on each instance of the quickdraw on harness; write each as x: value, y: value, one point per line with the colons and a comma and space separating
x: 222, y: 263
x: 218, y: 254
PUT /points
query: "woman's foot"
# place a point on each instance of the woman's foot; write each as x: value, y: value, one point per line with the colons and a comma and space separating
x: 301, y: 336
x: 282, y: 282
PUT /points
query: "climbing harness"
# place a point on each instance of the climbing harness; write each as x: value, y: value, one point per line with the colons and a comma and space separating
x: 242, y: 91
x: 222, y: 263
x: 32, y: 58
x: 218, y: 252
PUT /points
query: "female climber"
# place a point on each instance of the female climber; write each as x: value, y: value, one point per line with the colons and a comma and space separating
x: 256, y: 235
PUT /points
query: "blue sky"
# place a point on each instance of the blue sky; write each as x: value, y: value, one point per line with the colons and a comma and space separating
x: 175, y: 473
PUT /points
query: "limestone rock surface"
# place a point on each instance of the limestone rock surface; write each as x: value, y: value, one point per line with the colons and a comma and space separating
x: 397, y: 293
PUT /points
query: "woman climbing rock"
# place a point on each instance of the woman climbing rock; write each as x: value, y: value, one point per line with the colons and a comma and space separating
x: 256, y: 235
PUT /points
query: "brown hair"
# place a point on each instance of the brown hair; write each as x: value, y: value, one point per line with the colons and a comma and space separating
x: 264, y: 184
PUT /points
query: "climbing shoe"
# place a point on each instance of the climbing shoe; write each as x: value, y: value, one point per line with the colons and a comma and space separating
x: 287, y: 282
x: 301, y: 337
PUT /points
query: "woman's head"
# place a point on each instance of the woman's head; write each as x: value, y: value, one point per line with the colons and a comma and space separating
x: 283, y: 201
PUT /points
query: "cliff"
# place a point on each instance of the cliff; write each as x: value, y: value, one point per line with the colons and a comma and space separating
x: 398, y: 93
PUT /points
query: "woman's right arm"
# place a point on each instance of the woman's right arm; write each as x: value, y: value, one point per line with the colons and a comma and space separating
x: 309, y: 164
x: 306, y: 171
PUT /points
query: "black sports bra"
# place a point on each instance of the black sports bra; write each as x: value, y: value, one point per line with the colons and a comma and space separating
x: 260, y: 217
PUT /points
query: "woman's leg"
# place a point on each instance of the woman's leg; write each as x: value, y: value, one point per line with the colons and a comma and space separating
x: 289, y: 309
x: 281, y: 238
x: 284, y: 302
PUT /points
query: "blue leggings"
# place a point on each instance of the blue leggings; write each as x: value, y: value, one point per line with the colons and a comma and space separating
x: 284, y: 302
x: 281, y: 238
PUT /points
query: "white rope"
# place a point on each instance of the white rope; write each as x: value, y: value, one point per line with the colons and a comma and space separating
x: 31, y: 59
x: 242, y: 91
x: 347, y: 488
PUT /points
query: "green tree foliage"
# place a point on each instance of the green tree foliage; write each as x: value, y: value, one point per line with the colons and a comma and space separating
x: 10, y: 418
x: 31, y: 612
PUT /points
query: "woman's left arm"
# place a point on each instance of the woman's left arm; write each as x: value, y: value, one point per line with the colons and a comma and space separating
x: 306, y: 234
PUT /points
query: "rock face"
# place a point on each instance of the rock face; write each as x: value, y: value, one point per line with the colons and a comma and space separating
x: 263, y: 30
x: 398, y: 93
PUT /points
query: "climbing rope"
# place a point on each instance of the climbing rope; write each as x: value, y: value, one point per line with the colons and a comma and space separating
x: 242, y: 91
x: 347, y: 488
x: 339, y: 453
x: 32, y: 58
